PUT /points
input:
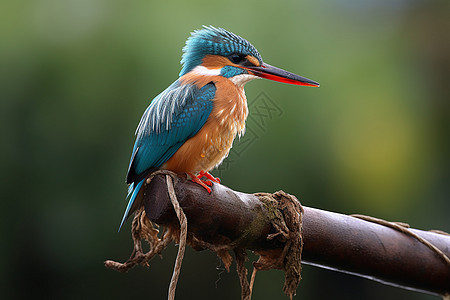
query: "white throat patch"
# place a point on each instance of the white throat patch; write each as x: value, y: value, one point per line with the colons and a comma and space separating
x: 201, y: 70
x: 242, y: 79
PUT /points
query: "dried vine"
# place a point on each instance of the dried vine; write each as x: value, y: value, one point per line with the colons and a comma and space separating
x: 285, y: 217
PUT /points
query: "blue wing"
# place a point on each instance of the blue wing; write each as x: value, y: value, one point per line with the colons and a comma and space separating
x: 173, y: 117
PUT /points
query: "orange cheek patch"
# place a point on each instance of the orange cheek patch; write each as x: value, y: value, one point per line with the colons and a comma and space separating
x: 253, y: 60
x: 215, y: 61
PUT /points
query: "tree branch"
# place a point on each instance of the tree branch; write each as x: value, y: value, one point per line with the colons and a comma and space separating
x: 226, y: 219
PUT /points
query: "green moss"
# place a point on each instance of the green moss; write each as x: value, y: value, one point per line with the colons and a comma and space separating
x: 265, y: 214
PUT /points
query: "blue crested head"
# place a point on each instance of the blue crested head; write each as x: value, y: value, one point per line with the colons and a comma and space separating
x: 214, y: 41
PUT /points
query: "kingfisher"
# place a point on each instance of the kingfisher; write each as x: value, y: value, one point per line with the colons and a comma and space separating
x: 190, y: 127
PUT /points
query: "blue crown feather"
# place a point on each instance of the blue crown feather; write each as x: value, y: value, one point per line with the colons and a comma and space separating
x: 215, y: 41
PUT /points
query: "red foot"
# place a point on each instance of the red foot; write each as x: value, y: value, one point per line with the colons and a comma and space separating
x: 203, y: 183
x: 209, y: 176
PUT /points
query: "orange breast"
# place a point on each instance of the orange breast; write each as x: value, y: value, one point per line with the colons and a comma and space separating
x: 213, y: 142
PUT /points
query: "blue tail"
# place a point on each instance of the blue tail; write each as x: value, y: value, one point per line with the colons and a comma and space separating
x: 132, y: 194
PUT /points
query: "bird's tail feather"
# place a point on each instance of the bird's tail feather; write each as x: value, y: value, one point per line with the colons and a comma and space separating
x: 133, y: 191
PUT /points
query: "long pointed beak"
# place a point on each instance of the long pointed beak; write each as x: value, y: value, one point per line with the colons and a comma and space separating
x: 273, y: 73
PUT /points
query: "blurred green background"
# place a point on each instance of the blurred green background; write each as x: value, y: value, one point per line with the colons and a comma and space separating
x: 76, y: 75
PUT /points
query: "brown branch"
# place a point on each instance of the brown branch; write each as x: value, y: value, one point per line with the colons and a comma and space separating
x: 331, y: 240
x: 226, y: 220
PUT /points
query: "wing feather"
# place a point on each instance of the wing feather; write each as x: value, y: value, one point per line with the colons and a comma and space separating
x: 173, y: 117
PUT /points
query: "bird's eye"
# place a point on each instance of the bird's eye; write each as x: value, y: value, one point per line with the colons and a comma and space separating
x: 236, y: 58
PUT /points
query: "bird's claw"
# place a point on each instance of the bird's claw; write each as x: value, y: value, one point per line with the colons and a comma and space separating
x: 203, y: 183
x: 209, y: 176
x: 207, y: 182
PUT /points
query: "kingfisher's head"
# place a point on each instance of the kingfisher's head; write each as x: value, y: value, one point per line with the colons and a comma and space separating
x: 216, y: 51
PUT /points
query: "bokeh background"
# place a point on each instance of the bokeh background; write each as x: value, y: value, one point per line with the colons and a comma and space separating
x: 76, y: 75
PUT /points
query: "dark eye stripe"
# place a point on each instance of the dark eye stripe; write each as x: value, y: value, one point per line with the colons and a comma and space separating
x: 236, y: 58
x: 239, y: 59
